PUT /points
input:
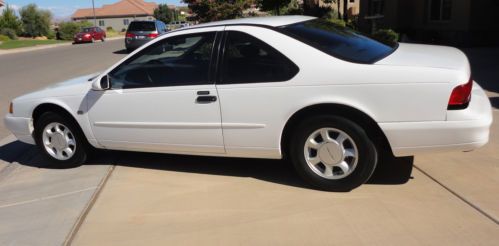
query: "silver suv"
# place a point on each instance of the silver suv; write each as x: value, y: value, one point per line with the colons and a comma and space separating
x: 141, y: 32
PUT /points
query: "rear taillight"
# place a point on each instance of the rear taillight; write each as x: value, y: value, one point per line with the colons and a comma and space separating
x: 461, y: 96
x: 130, y: 35
x: 152, y: 35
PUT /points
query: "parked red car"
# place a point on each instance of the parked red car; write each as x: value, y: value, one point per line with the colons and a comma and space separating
x: 90, y: 34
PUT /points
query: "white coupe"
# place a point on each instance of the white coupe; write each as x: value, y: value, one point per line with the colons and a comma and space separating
x: 331, y: 100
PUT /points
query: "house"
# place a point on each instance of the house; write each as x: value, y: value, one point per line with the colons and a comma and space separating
x: 118, y: 15
x: 352, y: 5
x: 452, y: 22
x: 1, y: 3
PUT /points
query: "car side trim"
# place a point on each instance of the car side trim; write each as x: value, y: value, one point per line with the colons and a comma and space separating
x: 179, y: 125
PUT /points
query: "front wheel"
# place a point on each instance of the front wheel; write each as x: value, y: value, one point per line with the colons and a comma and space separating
x: 60, y: 140
x: 332, y: 153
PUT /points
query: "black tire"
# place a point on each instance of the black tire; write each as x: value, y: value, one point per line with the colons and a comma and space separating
x: 367, y: 154
x: 82, y: 147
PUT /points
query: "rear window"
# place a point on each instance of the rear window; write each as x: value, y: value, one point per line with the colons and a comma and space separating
x: 340, y: 42
x: 87, y: 29
x: 142, y: 26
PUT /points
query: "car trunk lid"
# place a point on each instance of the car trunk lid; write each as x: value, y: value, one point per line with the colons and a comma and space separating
x: 427, y: 56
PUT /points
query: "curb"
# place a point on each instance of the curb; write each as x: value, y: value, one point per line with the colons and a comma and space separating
x: 42, y: 47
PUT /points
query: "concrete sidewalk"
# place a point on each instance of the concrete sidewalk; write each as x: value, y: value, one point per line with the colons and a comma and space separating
x: 41, y: 206
x: 175, y: 200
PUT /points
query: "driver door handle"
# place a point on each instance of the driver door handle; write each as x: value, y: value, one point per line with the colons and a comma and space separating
x: 205, y: 97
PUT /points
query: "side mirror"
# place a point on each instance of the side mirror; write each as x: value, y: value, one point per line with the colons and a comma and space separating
x: 103, y: 84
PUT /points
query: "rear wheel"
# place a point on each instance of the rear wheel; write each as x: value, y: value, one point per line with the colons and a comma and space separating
x: 103, y: 39
x: 60, y: 140
x: 332, y: 153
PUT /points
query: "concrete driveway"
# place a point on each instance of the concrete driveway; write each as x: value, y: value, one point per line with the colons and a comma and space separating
x: 125, y: 198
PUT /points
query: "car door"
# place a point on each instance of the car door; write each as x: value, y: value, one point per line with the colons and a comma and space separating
x: 163, y: 99
x: 254, y: 90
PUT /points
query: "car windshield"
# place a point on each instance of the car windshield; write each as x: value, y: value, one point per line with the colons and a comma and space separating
x: 89, y: 29
x: 142, y: 26
x: 338, y: 41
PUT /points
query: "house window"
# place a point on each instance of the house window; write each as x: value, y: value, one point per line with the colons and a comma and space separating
x: 102, y: 23
x: 126, y: 22
x: 375, y: 7
x: 440, y: 10
x: 352, y: 1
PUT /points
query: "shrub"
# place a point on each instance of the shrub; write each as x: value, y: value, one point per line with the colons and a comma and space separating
x: 109, y: 29
x: 11, y: 33
x: 386, y: 36
x: 67, y: 30
x: 4, y: 38
x: 51, y: 34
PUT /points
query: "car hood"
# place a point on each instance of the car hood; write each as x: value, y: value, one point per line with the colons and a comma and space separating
x: 427, y: 56
x: 72, y: 87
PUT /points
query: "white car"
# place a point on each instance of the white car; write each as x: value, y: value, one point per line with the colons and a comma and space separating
x: 331, y: 100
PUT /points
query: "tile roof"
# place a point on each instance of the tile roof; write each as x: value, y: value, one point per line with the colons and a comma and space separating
x: 121, y: 8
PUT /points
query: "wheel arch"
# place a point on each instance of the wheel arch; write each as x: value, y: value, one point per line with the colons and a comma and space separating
x: 354, y: 114
x: 60, y: 108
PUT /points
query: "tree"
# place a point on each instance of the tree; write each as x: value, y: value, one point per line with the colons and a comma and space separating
x: 213, y: 10
x: 36, y: 22
x: 273, y: 5
x: 9, y: 19
x: 345, y: 9
x: 163, y: 13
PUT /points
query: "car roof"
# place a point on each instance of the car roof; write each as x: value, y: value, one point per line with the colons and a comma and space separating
x: 271, y: 21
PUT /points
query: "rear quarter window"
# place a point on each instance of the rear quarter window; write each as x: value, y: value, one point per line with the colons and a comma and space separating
x: 340, y: 42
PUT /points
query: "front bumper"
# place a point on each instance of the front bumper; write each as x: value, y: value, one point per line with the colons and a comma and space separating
x: 22, y: 128
x: 463, y: 130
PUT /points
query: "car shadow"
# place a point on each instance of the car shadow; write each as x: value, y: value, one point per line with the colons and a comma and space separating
x: 274, y: 171
x: 495, y: 102
x: 121, y: 52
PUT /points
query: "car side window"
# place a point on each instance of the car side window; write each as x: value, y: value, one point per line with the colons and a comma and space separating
x: 174, y: 61
x: 250, y: 60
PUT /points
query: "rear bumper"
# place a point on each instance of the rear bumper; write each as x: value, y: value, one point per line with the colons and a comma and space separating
x: 22, y: 128
x: 82, y: 40
x: 464, y: 130
x: 135, y: 43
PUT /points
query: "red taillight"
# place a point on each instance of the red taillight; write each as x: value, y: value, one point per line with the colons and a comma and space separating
x: 130, y: 35
x: 461, y: 96
x: 152, y: 35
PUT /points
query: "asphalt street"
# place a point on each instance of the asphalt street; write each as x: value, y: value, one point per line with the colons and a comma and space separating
x: 28, y: 71
x: 126, y: 198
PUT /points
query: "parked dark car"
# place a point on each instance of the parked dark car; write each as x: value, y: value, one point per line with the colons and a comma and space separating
x: 90, y: 34
x: 141, y: 32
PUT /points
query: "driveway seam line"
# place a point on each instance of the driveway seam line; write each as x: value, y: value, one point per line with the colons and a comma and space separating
x: 46, y: 198
x: 481, y: 211
x: 88, y: 207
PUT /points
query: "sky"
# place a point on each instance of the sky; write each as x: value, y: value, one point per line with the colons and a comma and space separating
x: 65, y: 8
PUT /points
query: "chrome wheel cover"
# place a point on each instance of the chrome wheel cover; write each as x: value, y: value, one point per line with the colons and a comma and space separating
x: 59, y: 141
x: 331, y: 153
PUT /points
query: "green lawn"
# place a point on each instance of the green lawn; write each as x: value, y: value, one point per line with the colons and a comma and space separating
x: 13, y: 44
